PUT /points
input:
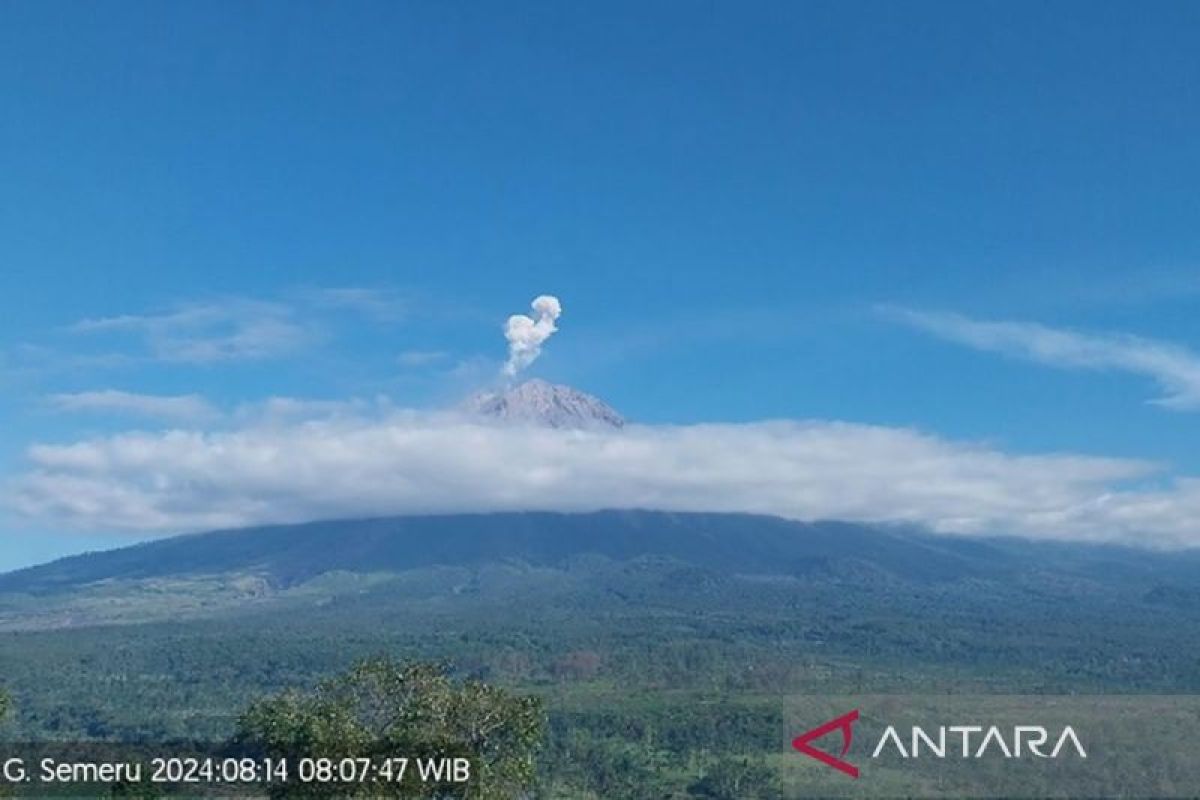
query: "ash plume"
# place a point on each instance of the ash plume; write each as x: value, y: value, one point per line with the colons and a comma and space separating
x: 527, y: 334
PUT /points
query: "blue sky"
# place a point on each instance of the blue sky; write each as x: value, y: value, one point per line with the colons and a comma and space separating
x: 749, y: 211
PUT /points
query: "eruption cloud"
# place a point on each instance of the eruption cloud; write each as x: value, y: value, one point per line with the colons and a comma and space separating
x: 527, y: 334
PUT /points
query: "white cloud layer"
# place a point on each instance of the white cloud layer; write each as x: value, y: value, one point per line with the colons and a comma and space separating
x: 393, y: 462
x: 1176, y: 369
x: 183, y: 407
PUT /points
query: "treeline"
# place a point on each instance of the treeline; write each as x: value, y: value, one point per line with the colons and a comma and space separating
x: 381, y: 708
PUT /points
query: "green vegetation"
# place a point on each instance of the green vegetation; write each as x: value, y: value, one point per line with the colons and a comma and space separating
x: 738, y: 779
x: 658, y: 677
x: 381, y: 709
x: 4, y: 703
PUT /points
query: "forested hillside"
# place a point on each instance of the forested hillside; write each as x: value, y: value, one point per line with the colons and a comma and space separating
x: 662, y: 650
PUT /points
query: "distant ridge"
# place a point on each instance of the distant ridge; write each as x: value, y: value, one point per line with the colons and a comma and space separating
x: 727, y: 543
x: 691, y: 562
x: 723, y: 543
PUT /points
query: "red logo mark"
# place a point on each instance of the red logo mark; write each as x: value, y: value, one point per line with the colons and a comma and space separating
x: 845, y: 723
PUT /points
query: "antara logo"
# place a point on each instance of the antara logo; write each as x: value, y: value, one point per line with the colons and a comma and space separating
x: 846, y: 724
x: 1021, y: 740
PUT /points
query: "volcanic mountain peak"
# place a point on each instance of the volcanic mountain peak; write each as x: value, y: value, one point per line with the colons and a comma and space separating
x: 542, y: 403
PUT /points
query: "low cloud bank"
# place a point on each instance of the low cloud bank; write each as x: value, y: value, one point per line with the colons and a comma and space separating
x: 396, y: 462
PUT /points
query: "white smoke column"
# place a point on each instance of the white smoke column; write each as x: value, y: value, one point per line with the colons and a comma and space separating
x: 526, y: 335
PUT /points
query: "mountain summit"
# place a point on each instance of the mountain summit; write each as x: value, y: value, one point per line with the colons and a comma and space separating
x: 541, y: 403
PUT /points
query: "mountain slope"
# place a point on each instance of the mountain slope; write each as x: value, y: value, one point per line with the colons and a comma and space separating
x: 286, y: 555
x: 289, y: 554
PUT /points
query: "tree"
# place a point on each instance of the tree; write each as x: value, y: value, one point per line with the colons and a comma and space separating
x: 3, y: 713
x: 738, y: 779
x: 382, y: 709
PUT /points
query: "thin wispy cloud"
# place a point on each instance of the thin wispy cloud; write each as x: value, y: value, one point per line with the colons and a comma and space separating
x: 279, y: 409
x: 194, y: 409
x: 388, y: 461
x: 183, y: 408
x: 1174, y: 368
x: 381, y: 305
x: 236, y: 329
x: 421, y: 358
